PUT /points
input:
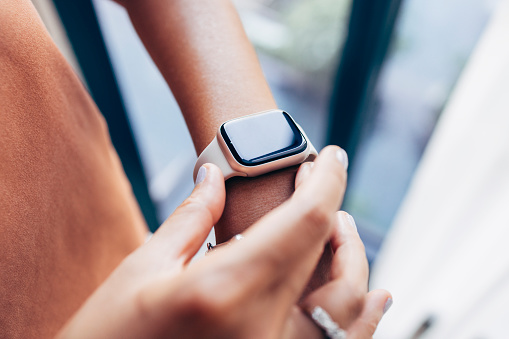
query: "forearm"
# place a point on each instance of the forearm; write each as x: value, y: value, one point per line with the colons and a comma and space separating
x: 206, y: 58
x: 212, y: 69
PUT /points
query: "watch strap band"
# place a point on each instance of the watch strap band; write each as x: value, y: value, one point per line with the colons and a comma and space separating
x: 213, y: 154
x: 312, y: 153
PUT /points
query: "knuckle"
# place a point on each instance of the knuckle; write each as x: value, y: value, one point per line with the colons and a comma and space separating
x: 142, y: 306
x: 206, y: 304
x: 193, y: 205
x: 201, y: 304
x: 355, y: 302
x: 316, y: 217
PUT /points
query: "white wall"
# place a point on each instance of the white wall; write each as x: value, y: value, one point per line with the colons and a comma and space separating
x: 447, y: 255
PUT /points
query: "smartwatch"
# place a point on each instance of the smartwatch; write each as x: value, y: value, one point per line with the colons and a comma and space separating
x: 257, y: 144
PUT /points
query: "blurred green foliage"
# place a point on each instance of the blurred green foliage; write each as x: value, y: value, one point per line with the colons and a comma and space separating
x: 316, y: 30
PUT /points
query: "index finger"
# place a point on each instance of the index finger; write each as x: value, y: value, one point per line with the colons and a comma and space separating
x: 286, y: 244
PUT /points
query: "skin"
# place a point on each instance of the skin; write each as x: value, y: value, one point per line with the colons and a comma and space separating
x: 265, y: 272
x: 214, y: 74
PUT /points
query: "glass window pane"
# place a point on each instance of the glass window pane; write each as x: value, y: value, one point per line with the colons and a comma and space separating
x: 432, y: 42
x: 298, y: 43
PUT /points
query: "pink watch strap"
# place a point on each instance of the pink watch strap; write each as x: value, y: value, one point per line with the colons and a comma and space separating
x: 213, y: 154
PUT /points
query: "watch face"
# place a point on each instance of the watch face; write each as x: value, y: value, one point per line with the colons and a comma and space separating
x: 261, y: 138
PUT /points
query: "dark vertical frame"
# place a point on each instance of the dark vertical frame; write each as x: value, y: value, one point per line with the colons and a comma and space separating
x: 370, y: 30
x: 82, y: 27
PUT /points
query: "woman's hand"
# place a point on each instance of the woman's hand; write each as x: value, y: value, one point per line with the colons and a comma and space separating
x: 249, y: 289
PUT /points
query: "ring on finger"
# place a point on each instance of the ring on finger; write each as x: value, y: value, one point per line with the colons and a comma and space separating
x: 211, y: 247
x: 323, y: 320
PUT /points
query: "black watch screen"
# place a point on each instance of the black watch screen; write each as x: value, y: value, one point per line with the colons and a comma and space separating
x: 261, y: 138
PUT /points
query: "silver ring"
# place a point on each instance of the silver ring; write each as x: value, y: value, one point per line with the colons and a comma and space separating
x: 211, y: 247
x: 323, y: 320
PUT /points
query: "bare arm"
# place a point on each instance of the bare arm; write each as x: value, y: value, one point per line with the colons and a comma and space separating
x: 204, y: 55
x: 212, y: 69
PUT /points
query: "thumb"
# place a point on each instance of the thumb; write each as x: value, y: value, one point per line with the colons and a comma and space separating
x: 303, y: 173
x: 183, y: 233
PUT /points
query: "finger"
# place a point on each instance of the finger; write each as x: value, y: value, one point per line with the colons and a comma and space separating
x: 303, y: 173
x: 300, y: 326
x: 377, y: 304
x: 343, y: 297
x: 306, y: 167
x: 350, y: 259
x: 183, y: 233
x: 286, y: 244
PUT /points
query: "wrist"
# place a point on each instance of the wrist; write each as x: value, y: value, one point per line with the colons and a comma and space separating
x: 249, y: 199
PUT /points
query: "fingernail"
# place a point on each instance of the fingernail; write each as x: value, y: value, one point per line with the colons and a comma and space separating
x: 387, y: 305
x: 304, y: 170
x: 351, y: 221
x: 342, y: 157
x: 202, y: 173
